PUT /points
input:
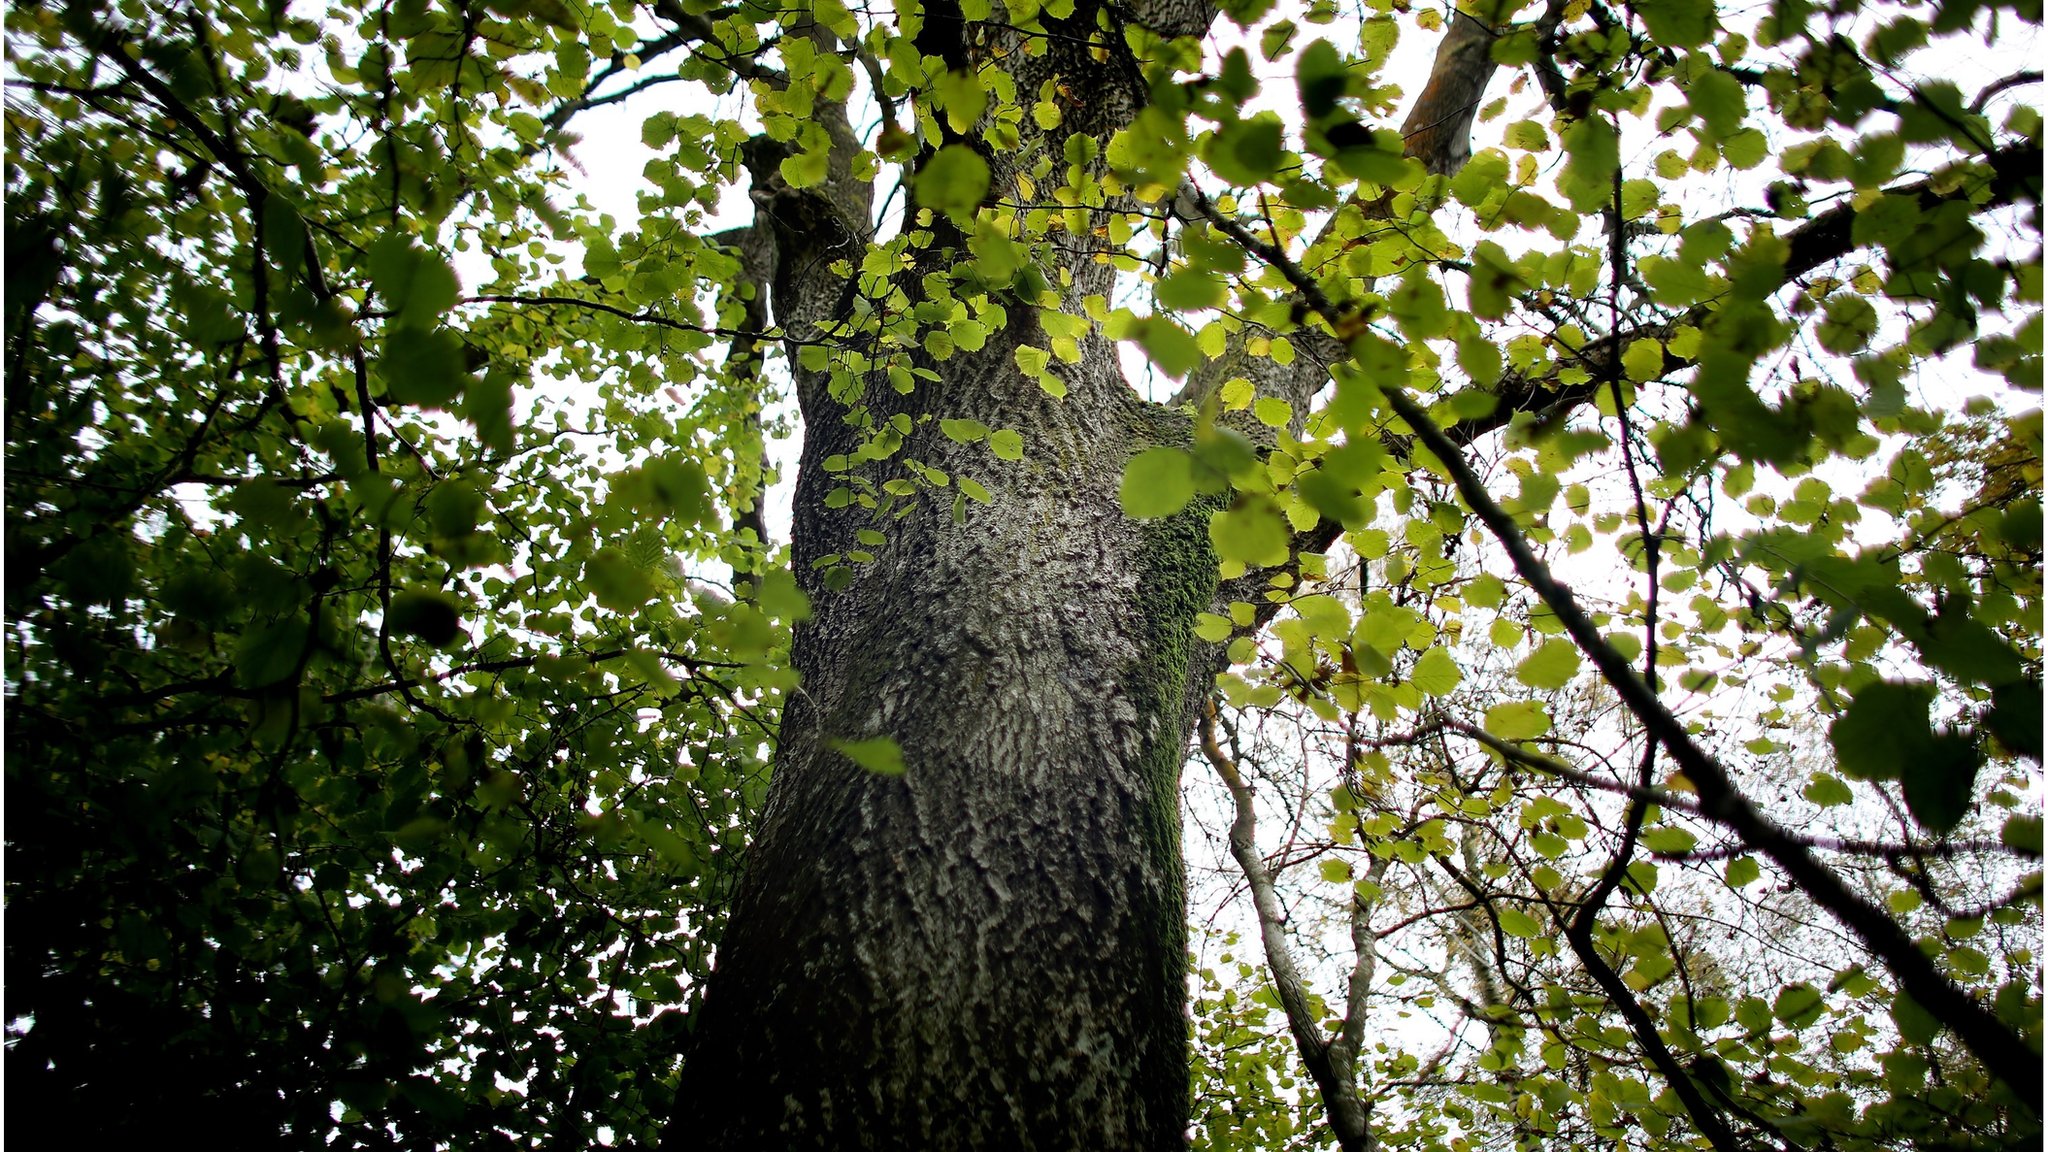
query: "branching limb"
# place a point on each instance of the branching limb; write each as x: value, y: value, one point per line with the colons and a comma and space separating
x: 1438, y: 130
x: 698, y: 29
x: 2002, y: 1050
x: 1341, y: 1099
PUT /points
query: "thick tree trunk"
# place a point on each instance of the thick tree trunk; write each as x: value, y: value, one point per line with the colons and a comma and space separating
x: 987, y: 951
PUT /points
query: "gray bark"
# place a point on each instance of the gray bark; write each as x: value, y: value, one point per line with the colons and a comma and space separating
x: 989, y: 950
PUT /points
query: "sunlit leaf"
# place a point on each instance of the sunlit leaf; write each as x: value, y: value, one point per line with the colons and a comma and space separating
x: 878, y: 754
x: 1157, y: 482
x: 953, y: 181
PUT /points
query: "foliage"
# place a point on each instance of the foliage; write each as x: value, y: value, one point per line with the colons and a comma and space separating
x: 368, y: 754
x: 396, y: 643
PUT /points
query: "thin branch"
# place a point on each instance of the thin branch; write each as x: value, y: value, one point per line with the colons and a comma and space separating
x: 1341, y: 1100
x: 2001, y: 1050
x: 2002, y: 84
x: 653, y: 318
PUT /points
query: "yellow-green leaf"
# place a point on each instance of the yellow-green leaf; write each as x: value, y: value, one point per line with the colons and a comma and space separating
x: 1157, y: 482
x: 878, y: 754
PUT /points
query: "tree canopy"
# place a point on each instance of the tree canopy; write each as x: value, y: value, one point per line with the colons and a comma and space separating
x: 1622, y: 481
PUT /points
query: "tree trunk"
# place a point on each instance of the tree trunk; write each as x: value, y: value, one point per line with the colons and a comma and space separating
x: 988, y: 950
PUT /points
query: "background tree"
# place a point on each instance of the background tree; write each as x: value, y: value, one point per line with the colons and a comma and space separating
x: 387, y: 723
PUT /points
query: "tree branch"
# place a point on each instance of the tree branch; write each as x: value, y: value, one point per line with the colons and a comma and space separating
x: 1341, y: 1100
x: 2001, y: 1050
x: 2015, y: 176
x: 1438, y: 130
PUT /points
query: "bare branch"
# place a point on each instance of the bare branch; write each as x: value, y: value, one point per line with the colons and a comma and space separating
x: 2001, y: 1050
x: 1438, y: 130
x: 2002, y: 84
x: 1341, y: 1100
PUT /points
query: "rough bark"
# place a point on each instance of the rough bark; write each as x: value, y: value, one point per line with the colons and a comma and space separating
x: 987, y: 951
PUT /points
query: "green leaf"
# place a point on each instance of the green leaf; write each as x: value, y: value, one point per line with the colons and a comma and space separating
x: 1246, y: 152
x: 270, y: 653
x: 1550, y: 666
x: 1742, y: 871
x: 1828, y: 791
x: 1170, y: 346
x: 284, y: 235
x: 1666, y: 840
x: 1436, y: 674
x: 1940, y: 780
x: 1485, y: 173
x: 1965, y: 648
x: 2022, y: 833
x: 964, y: 431
x: 1677, y: 23
x: 664, y: 841
x: 1032, y: 361
x: 430, y: 615
x: 1519, y: 924
x: 1325, y: 616
x: 1253, y: 533
x: 618, y: 583
x: 1592, y: 153
x: 454, y: 508
x: 1418, y: 304
x: 1885, y: 726
x: 960, y: 94
x: 1007, y: 444
x: 1848, y: 326
x: 778, y: 595
x: 878, y: 754
x: 1334, y: 497
x: 418, y: 286
x: 1493, y: 281
x: 673, y: 485
x: 1375, y: 156
x: 1322, y: 78
x: 1643, y: 360
x: 1527, y: 136
x: 1157, y: 482
x: 953, y: 181
x: 1916, y: 1024
x: 1212, y: 628
x: 1746, y: 149
x: 1798, y: 1005
x: 1190, y: 291
x: 423, y: 367
x: 1717, y: 98
x: 1517, y: 720
x: 810, y: 167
